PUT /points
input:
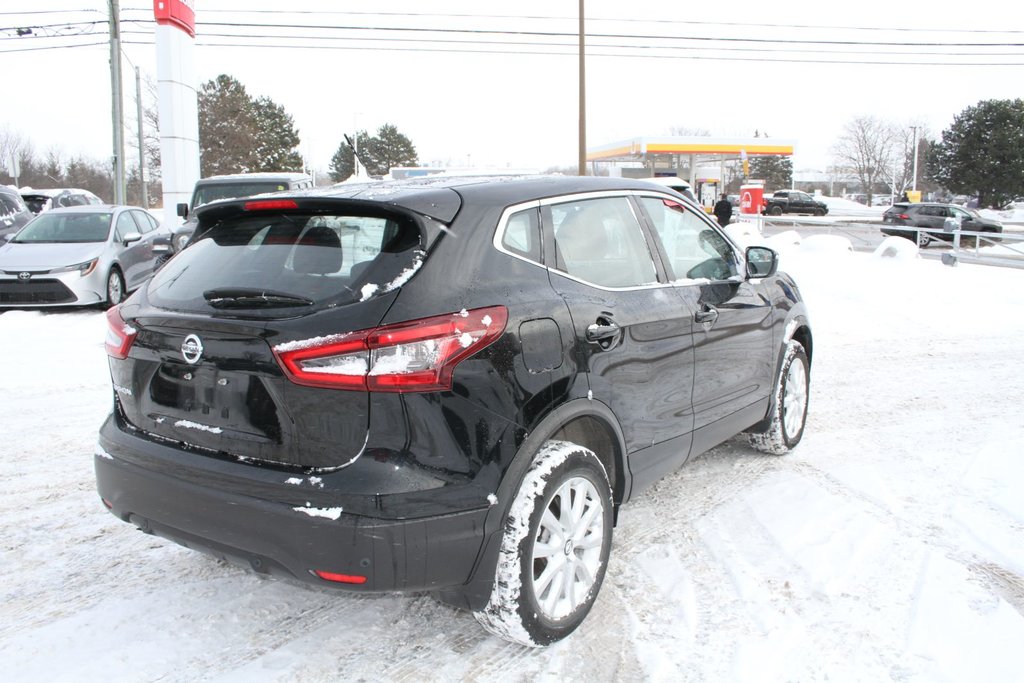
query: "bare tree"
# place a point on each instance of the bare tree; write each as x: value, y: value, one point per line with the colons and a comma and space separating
x: 866, y: 148
x: 13, y: 147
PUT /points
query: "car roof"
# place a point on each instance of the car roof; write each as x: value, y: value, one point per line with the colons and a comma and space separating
x: 92, y: 208
x: 441, y: 197
x: 52, y: 192
x: 268, y: 176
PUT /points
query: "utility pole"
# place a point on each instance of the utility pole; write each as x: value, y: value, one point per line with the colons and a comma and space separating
x: 914, y: 128
x: 117, y: 111
x: 142, y: 149
x: 583, y: 98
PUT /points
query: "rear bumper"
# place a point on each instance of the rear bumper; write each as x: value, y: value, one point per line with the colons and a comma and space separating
x: 183, y: 497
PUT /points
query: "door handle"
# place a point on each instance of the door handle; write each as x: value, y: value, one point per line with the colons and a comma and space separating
x: 708, y: 314
x: 601, y: 330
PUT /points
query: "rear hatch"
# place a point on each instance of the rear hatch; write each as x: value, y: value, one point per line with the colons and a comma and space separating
x: 203, y: 341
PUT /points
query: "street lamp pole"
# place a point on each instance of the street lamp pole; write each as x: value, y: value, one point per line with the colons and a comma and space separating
x: 115, y: 87
x: 583, y: 98
x: 914, y: 128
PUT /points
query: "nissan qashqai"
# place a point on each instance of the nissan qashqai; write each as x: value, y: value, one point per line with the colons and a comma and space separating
x: 445, y: 385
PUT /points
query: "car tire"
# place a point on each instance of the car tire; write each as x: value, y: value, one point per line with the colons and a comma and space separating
x: 775, y: 211
x: 115, y: 287
x: 789, y: 412
x: 923, y: 239
x: 820, y: 212
x: 555, y: 546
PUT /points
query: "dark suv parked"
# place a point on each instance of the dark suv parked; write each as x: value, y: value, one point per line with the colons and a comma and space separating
x: 232, y: 186
x: 13, y: 212
x: 443, y: 384
x: 939, y: 221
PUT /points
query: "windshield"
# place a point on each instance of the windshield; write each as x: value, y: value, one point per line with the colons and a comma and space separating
x: 211, y: 193
x: 271, y: 264
x: 67, y: 227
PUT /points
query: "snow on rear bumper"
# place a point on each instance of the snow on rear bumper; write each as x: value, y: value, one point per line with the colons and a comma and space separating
x: 284, y: 539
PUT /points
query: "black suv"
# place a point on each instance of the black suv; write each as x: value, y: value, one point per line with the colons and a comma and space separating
x: 443, y: 384
x: 13, y: 212
x: 232, y: 186
x: 938, y: 221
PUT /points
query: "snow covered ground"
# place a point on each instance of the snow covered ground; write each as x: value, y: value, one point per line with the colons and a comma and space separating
x: 888, y: 546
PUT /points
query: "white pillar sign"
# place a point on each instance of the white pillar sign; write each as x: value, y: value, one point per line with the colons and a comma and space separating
x: 178, y: 102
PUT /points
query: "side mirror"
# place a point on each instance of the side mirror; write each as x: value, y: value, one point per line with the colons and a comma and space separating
x: 183, y: 210
x: 761, y: 262
x: 131, y: 237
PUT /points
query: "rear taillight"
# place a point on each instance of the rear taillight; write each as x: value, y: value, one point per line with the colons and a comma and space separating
x: 903, y: 217
x: 419, y: 355
x: 120, y: 335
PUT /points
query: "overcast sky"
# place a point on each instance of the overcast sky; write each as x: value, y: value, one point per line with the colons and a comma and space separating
x: 501, y: 97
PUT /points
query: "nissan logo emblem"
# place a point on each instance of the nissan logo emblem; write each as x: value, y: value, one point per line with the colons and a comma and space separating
x: 24, y: 276
x: 192, y: 349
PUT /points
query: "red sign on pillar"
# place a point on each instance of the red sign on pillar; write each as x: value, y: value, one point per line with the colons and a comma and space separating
x: 178, y: 13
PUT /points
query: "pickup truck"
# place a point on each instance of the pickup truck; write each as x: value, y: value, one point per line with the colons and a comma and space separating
x: 793, y: 201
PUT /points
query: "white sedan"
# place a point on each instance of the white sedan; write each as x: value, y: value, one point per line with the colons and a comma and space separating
x: 79, y: 256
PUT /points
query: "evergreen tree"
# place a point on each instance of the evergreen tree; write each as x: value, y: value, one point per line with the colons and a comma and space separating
x: 777, y: 172
x: 239, y: 134
x: 226, y: 125
x: 387, y: 149
x: 342, y: 166
x: 378, y: 153
x: 276, y: 138
x: 982, y: 153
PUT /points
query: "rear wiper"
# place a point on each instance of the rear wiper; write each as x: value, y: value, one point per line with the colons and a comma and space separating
x: 237, y: 297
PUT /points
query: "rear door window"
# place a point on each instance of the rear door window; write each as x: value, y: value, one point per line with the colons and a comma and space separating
x: 264, y: 264
x: 600, y: 241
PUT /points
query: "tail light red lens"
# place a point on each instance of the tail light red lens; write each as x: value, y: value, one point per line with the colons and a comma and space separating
x: 903, y: 217
x: 120, y: 335
x: 419, y: 355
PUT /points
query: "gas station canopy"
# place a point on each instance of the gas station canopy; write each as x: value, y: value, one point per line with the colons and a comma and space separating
x: 642, y: 148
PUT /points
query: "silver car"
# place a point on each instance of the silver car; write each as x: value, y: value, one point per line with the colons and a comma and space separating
x: 81, y: 255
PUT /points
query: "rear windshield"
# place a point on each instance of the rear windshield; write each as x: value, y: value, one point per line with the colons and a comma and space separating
x: 280, y: 264
x: 210, y: 193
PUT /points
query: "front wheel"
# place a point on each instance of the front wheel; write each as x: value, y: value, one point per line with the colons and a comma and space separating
x: 115, y: 287
x: 555, y: 548
x: 786, y: 424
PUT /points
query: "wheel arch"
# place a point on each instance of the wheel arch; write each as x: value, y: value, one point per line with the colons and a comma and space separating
x: 797, y: 328
x: 591, y: 424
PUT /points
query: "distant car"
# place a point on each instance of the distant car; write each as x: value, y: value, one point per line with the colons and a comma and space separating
x: 13, y: 212
x: 940, y: 219
x: 793, y: 201
x: 44, y: 200
x: 79, y: 256
x: 235, y: 186
x: 444, y: 385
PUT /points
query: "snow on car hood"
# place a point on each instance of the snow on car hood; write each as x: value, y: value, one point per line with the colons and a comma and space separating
x: 43, y: 255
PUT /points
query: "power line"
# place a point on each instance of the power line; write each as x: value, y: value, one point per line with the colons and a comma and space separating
x: 54, y: 47
x: 686, y: 22
x: 572, y: 46
x: 593, y: 54
x: 562, y: 34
